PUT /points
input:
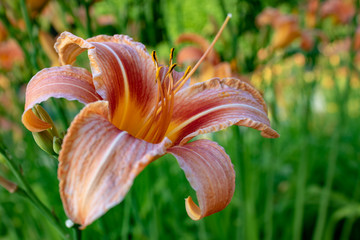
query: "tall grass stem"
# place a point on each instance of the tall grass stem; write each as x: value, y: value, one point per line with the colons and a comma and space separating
x: 31, y: 195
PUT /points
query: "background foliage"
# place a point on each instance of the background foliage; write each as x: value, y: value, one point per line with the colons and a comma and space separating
x: 304, y: 185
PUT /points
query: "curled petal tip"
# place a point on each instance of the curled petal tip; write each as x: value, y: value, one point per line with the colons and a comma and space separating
x: 33, y: 123
x: 210, y: 173
x: 192, y: 209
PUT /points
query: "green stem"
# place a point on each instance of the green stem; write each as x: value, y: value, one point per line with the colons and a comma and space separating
x: 237, y: 140
x: 125, y: 229
x: 269, y: 207
x: 30, y: 32
x: 300, y: 194
x: 251, y: 229
x: 343, y: 100
x: 345, y: 234
x: 325, y: 196
x: 305, y: 152
x: 58, y: 104
x: 88, y: 18
x: 76, y: 232
x: 29, y: 194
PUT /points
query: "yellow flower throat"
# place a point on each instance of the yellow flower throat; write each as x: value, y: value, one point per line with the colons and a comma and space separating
x: 157, y: 124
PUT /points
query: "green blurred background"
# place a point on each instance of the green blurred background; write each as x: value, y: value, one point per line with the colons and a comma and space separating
x: 301, y: 55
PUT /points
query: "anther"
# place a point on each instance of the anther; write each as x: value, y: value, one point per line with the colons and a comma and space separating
x: 172, y: 68
x: 171, y: 56
x: 155, y: 60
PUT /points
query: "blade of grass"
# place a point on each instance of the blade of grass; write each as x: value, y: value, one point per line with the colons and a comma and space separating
x: 29, y: 29
x: 269, y: 206
x: 324, y: 201
x: 29, y: 193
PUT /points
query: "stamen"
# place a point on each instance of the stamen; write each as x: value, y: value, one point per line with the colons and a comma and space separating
x: 182, y: 80
x: 172, y: 68
x: 207, y: 50
x: 158, y: 74
x: 154, y: 57
x: 144, y: 131
x: 155, y: 127
x: 171, y: 56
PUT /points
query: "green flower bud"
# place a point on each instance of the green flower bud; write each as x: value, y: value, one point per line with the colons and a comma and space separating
x: 46, y: 139
x: 57, y: 144
x: 41, y: 113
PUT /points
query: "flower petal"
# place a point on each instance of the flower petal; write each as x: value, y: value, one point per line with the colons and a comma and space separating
x: 69, y: 47
x: 214, y: 105
x: 67, y: 82
x: 98, y: 164
x: 124, y: 74
x: 210, y: 173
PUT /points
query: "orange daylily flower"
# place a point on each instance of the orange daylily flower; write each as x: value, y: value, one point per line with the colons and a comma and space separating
x: 136, y: 111
x: 211, y: 67
x: 267, y: 17
x: 286, y: 28
x: 10, y: 54
x: 342, y: 11
x: 311, y: 13
x: 286, y: 31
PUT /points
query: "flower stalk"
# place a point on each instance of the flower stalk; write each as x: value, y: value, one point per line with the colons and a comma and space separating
x: 28, y: 193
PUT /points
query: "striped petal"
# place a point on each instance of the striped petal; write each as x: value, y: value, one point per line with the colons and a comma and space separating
x: 69, y: 47
x: 67, y: 82
x: 214, y: 105
x: 123, y: 73
x: 98, y: 164
x: 210, y: 173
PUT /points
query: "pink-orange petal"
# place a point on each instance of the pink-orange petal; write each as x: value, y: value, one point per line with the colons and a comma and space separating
x: 210, y: 173
x: 124, y: 74
x: 67, y: 82
x: 98, y: 164
x: 216, y: 104
x: 69, y: 47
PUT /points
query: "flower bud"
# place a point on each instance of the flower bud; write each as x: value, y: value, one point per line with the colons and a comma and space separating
x: 45, y: 139
x: 57, y: 144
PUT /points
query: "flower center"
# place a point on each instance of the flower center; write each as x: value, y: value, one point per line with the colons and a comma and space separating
x: 157, y: 124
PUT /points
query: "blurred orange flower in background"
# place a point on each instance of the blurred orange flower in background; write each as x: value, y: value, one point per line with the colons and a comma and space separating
x: 286, y: 28
x: 341, y: 11
x: 311, y: 13
x: 10, y: 54
x: 211, y: 67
